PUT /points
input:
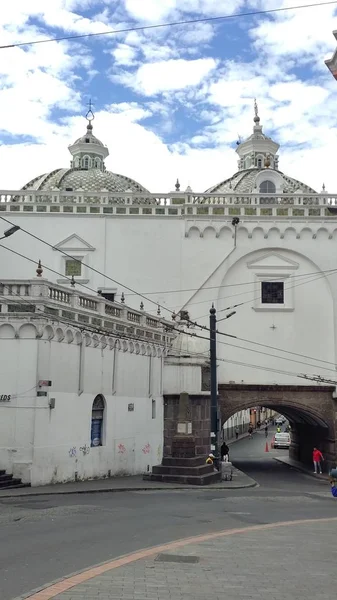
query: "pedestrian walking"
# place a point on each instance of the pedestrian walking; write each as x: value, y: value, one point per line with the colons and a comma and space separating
x: 278, y: 430
x: 266, y: 431
x: 224, y: 452
x: 250, y: 431
x: 236, y: 433
x: 317, y: 458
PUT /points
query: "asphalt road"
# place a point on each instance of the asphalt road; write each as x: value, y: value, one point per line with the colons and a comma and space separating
x: 45, y: 538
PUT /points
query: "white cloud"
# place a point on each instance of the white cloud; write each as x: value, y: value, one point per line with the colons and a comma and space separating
x: 158, y: 10
x: 300, y: 33
x: 154, y: 78
x: 124, y: 55
x: 154, y: 141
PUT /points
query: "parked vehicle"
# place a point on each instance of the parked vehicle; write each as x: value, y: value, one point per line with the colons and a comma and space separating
x: 282, y: 440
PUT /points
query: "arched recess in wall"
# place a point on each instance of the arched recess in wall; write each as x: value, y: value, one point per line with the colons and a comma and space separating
x: 59, y: 334
x: 290, y: 233
x: 95, y: 340
x: 306, y: 233
x: 48, y: 333
x: 69, y: 336
x: 242, y: 234
x: 225, y: 234
x: 295, y: 318
x: 322, y: 234
x: 7, y: 332
x: 258, y: 233
x: 27, y: 331
x: 209, y: 233
x: 193, y: 232
x: 274, y: 234
x: 78, y: 338
x: 98, y: 414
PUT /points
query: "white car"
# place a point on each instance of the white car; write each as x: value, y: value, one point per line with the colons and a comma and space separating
x: 282, y: 440
x: 280, y: 421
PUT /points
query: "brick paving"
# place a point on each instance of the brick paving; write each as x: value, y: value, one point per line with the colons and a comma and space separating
x: 294, y: 561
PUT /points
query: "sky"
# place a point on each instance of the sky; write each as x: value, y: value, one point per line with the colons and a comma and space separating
x: 169, y: 102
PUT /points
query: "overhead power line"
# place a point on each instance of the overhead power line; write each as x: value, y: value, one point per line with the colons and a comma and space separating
x: 92, y: 329
x: 254, y: 13
x: 202, y: 327
x: 39, y: 239
x: 230, y: 285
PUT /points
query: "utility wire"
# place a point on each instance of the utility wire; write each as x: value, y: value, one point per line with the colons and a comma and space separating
x: 52, y: 270
x: 322, y: 274
x: 90, y: 267
x: 172, y: 327
x: 171, y: 24
x: 93, y: 329
x: 228, y: 285
x: 69, y: 322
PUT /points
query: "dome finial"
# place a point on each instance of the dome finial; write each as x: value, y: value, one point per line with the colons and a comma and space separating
x: 256, y: 111
x: 90, y: 115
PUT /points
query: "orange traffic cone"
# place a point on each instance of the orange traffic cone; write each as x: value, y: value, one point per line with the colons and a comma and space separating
x: 266, y: 448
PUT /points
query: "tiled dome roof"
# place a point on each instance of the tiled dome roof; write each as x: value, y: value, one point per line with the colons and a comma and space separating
x: 243, y: 182
x: 87, y: 180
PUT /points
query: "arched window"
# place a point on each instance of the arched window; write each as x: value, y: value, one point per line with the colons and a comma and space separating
x: 97, y: 418
x: 85, y: 162
x: 267, y: 187
x: 97, y: 163
x: 259, y: 163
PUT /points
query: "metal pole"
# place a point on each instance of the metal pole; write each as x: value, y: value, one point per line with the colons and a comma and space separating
x: 215, y: 448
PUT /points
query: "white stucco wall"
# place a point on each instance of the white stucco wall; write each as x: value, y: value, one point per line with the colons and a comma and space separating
x: 159, y: 254
x: 44, y: 445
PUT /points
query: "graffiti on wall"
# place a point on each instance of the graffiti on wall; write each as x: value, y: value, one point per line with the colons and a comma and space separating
x: 121, y: 449
x: 85, y: 449
x: 72, y: 452
x: 146, y: 449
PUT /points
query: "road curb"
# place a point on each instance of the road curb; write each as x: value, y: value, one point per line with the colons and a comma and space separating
x: 142, y: 488
x: 133, y: 489
x: 45, y: 591
x: 317, y: 477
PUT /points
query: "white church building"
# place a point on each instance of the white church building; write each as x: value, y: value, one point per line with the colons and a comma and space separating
x: 260, y: 244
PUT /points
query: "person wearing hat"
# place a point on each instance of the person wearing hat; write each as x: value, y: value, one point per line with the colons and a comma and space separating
x: 210, y: 459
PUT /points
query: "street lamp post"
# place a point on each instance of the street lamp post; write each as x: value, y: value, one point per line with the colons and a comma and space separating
x: 215, y: 438
x: 10, y: 232
x: 215, y: 412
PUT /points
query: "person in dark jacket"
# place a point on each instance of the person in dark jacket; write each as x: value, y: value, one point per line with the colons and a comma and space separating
x: 224, y: 452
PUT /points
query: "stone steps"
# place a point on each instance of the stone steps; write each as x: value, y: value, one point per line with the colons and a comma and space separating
x: 198, y: 480
x: 7, y: 481
x: 186, y: 471
x: 181, y: 471
x: 170, y: 461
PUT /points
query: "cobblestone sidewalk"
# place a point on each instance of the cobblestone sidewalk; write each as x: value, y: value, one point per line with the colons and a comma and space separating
x: 293, y: 561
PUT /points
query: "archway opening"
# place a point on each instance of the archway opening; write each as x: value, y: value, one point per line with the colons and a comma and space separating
x: 309, y: 412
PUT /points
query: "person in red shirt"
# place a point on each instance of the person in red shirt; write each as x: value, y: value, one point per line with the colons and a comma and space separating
x: 317, y: 458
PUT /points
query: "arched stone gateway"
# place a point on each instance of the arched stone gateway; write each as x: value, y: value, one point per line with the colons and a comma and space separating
x: 311, y: 410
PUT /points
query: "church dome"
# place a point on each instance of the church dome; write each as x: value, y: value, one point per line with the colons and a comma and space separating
x: 258, y: 169
x: 87, y: 172
x: 86, y: 180
x: 245, y: 182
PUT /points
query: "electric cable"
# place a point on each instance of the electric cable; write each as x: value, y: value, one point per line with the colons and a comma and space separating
x: 171, y: 24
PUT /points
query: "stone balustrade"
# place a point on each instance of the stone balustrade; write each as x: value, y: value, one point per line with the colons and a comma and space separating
x: 43, y: 298
x: 178, y: 204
